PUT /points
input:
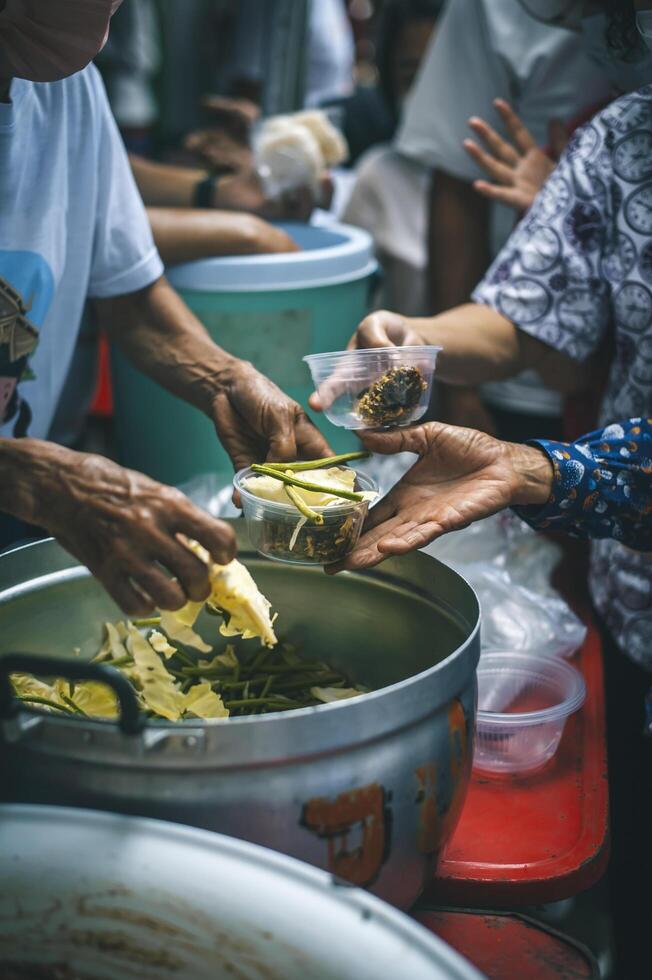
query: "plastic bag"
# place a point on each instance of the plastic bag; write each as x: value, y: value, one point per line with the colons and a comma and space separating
x: 209, y: 492
x: 510, y: 567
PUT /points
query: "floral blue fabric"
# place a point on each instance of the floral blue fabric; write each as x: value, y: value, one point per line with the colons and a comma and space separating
x: 602, y: 488
x: 577, y: 274
x: 602, y: 485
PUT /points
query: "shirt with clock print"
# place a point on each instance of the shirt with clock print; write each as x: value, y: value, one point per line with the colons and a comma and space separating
x: 577, y: 275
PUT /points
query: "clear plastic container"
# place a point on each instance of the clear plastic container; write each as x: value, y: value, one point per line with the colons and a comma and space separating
x: 374, y: 389
x: 274, y: 529
x: 523, y: 704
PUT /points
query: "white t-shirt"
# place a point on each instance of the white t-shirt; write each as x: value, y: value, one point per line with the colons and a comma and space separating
x: 72, y: 226
x: 397, y: 222
x: 481, y: 50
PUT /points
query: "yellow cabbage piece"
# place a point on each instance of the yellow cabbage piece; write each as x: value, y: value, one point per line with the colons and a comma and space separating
x: 327, y: 694
x: 156, y: 685
x: 233, y: 591
x: 161, y: 645
x: 113, y: 647
x: 226, y: 659
x: 27, y: 686
x: 203, y: 702
x: 91, y: 697
x: 177, y: 630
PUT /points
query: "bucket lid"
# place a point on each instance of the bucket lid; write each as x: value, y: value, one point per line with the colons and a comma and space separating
x: 329, y: 255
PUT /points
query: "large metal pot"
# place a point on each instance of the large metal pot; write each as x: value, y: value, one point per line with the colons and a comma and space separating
x: 369, y: 789
x: 121, y: 898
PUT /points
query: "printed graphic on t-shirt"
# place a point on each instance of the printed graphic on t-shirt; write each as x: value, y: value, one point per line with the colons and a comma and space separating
x: 26, y: 290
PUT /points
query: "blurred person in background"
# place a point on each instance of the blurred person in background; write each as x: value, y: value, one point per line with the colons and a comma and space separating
x: 73, y: 227
x: 574, y: 274
x: 129, y: 64
x: 222, y: 47
x: 389, y: 197
x: 483, y: 50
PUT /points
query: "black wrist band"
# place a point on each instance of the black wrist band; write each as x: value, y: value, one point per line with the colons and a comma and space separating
x: 203, y: 195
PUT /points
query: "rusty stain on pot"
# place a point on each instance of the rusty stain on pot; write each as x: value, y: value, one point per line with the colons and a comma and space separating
x: 335, y: 820
x: 428, y: 835
x: 457, y: 738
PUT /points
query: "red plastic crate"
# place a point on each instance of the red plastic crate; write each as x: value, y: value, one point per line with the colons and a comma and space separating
x: 541, y: 838
x: 506, y: 947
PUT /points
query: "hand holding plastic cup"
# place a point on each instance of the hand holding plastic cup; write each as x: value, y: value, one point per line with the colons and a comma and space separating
x: 374, y: 388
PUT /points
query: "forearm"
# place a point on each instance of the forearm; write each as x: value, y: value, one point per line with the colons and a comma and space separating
x: 31, y: 470
x: 162, y: 185
x: 478, y: 344
x: 163, y: 338
x: 184, y: 235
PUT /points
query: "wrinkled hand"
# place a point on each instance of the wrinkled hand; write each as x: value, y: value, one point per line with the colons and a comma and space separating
x: 245, y: 191
x: 225, y: 145
x: 380, y: 329
x: 256, y: 421
x: 124, y: 527
x: 269, y: 239
x: 461, y: 476
x: 519, y: 168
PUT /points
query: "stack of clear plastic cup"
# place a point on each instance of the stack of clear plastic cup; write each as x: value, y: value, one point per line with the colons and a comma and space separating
x: 521, y: 732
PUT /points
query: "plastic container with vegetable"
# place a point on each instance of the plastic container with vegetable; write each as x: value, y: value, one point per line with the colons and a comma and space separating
x: 305, y: 513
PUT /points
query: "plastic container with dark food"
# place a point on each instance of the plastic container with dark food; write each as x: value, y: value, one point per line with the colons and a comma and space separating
x: 374, y: 389
x: 279, y: 531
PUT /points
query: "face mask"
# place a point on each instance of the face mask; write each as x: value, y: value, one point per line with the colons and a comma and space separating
x: 644, y: 24
x: 556, y: 13
x: 45, y: 40
x: 626, y: 76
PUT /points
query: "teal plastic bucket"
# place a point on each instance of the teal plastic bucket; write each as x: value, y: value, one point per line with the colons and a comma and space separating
x: 267, y: 309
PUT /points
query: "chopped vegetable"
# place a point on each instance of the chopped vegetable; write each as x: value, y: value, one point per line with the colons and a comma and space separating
x: 327, y: 694
x: 182, y: 688
x: 202, y: 701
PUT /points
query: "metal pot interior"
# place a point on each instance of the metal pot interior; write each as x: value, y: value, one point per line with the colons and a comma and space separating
x: 380, y: 627
x: 108, y: 897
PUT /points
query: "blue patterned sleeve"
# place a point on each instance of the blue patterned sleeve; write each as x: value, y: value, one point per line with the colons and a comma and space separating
x: 602, y: 485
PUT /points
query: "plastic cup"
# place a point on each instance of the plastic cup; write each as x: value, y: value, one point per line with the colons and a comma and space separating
x: 272, y: 526
x: 537, y: 695
x: 396, y: 380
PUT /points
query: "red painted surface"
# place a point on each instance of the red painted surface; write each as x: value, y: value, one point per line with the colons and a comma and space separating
x: 541, y: 838
x: 504, y: 947
x: 103, y: 399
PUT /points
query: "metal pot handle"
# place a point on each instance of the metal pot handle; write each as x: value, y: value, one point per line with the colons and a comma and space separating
x: 130, y: 720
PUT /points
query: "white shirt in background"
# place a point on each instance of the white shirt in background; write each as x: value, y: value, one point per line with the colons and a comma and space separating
x: 390, y: 200
x: 481, y: 50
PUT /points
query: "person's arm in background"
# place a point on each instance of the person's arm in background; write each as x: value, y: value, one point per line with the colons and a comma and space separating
x: 518, y: 167
x: 478, y: 344
x: 599, y: 486
x: 253, y: 418
x: 187, y: 234
x: 165, y: 185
